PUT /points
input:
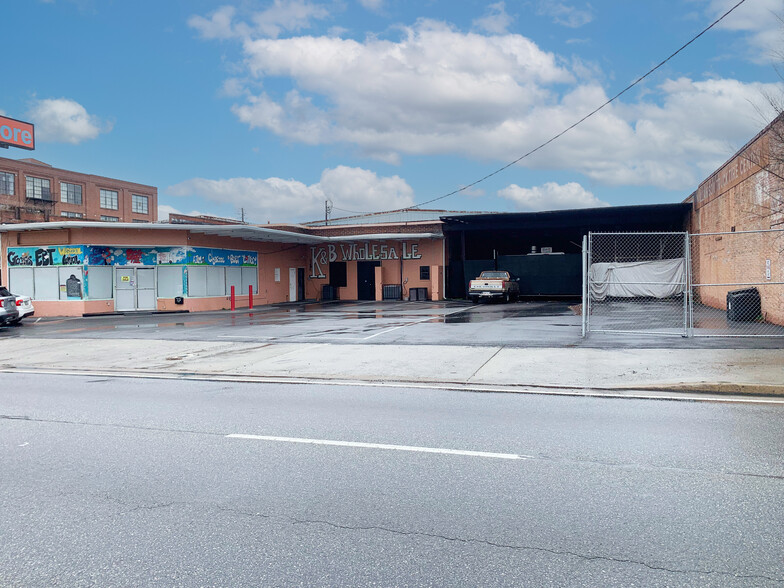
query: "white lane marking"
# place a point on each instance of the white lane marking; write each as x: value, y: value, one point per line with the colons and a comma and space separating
x: 430, y: 318
x: 23, y: 444
x: 382, y: 332
x: 380, y: 446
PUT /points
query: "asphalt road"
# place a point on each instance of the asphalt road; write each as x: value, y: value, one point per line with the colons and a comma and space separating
x: 132, y: 482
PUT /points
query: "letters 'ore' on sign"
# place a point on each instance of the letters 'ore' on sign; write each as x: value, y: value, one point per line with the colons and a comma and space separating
x: 16, y: 133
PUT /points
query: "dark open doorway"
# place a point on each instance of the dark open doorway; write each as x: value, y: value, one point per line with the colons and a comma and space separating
x: 366, y: 279
x: 300, y: 283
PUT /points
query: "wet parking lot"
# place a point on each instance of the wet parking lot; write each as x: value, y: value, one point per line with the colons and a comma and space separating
x: 519, y: 324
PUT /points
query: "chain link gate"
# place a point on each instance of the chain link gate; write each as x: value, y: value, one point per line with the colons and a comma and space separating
x: 728, y: 284
x: 738, y: 288
x: 637, y: 283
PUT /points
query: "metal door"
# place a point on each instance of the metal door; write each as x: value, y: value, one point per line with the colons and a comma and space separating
x: 124, y: 288
x: 366, y: 279
x: 292, y: 284
x: 134, y: 288
x: 145, y: 288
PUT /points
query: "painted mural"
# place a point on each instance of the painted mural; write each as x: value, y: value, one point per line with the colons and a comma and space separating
x: 225, y: 257
x: 121, y: 256
x: 46, y: 256
x: 103, y: 255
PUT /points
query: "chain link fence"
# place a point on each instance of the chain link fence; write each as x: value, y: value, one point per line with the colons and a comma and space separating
x: 727, y: 284
x: 637, y: 283
x: 738, y: 284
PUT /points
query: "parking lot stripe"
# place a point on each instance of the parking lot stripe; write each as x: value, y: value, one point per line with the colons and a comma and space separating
x: 361, y: 445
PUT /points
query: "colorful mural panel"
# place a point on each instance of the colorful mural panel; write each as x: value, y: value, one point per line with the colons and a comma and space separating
x: 108, y: 255
x: 224, y: 257
x: 121, y: 256
x: 46, y: 256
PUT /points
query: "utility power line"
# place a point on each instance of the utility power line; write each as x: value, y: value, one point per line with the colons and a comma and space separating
x: 587, y: 116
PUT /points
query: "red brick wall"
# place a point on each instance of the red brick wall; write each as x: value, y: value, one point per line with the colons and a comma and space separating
x: 17, y: 208
x: 740, y: 196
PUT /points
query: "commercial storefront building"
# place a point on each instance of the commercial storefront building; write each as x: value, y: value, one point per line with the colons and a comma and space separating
x: 78, y: 268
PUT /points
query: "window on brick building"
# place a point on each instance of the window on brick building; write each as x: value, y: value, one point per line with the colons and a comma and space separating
x: 139, y: 204
x: 424, y: 272
x: 69, y: 214
x: 110, y: 219
x: 110, y: 199
x: 70, y: 193
x: 39, y: 188
x: 7, y: 181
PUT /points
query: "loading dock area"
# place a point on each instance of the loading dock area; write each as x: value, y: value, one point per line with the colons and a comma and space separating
x: 543, y: 249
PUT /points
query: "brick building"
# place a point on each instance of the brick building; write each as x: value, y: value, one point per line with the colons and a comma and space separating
x: 33, y: 191
x: 738, y: 225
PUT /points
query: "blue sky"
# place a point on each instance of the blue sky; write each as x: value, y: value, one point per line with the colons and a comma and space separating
x: 275, y: 106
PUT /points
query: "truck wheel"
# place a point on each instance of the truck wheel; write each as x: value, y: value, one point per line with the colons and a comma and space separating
x: 475, y: 299
x: 507, y: 298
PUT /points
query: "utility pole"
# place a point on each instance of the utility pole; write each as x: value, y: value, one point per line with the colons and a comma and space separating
x: 327, y: 210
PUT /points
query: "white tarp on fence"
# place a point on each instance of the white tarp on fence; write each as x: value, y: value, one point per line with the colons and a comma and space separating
x: 655, y: 279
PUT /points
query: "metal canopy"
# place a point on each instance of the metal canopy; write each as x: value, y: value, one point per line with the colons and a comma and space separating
x: 246, y: 232
x: 639, y: 217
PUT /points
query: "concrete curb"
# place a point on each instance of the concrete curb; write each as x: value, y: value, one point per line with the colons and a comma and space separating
x: 722, y: 388
x: 702, y: 391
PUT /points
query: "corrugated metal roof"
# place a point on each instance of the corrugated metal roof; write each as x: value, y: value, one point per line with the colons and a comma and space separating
x: 407, y: 215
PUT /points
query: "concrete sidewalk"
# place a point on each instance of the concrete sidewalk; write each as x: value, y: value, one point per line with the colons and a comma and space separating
x: 734, y: 371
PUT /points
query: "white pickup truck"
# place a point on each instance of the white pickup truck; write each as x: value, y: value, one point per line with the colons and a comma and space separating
x: 491, y: 285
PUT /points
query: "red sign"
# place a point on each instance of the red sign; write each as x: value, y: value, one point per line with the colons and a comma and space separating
x: 16, y: 133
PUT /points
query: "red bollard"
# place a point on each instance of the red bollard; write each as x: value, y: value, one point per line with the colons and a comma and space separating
x: 233, y: 300
x: 250, y: 296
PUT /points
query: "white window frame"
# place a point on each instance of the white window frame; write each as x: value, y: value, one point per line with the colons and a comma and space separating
x: 8, y: 179
x: 69, y: 196
x: 137, y: 199
x: 37, y: 186
x: 109, y: 197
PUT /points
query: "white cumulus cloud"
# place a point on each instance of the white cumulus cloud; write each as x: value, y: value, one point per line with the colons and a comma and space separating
x: 61, y: 120
x: 277, y: 199
x: 565, y: 14
x: 281, y: 16
x: 374, y: 5
x: 551, y: 196
x: 495, y: 21
x: 760, y: 20
x: 436, y: 90
x: 218, y: 25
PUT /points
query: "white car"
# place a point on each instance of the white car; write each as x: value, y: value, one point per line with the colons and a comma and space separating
x: 24, y: 305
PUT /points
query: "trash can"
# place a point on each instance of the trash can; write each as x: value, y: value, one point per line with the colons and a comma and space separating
x: 744, y: 305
